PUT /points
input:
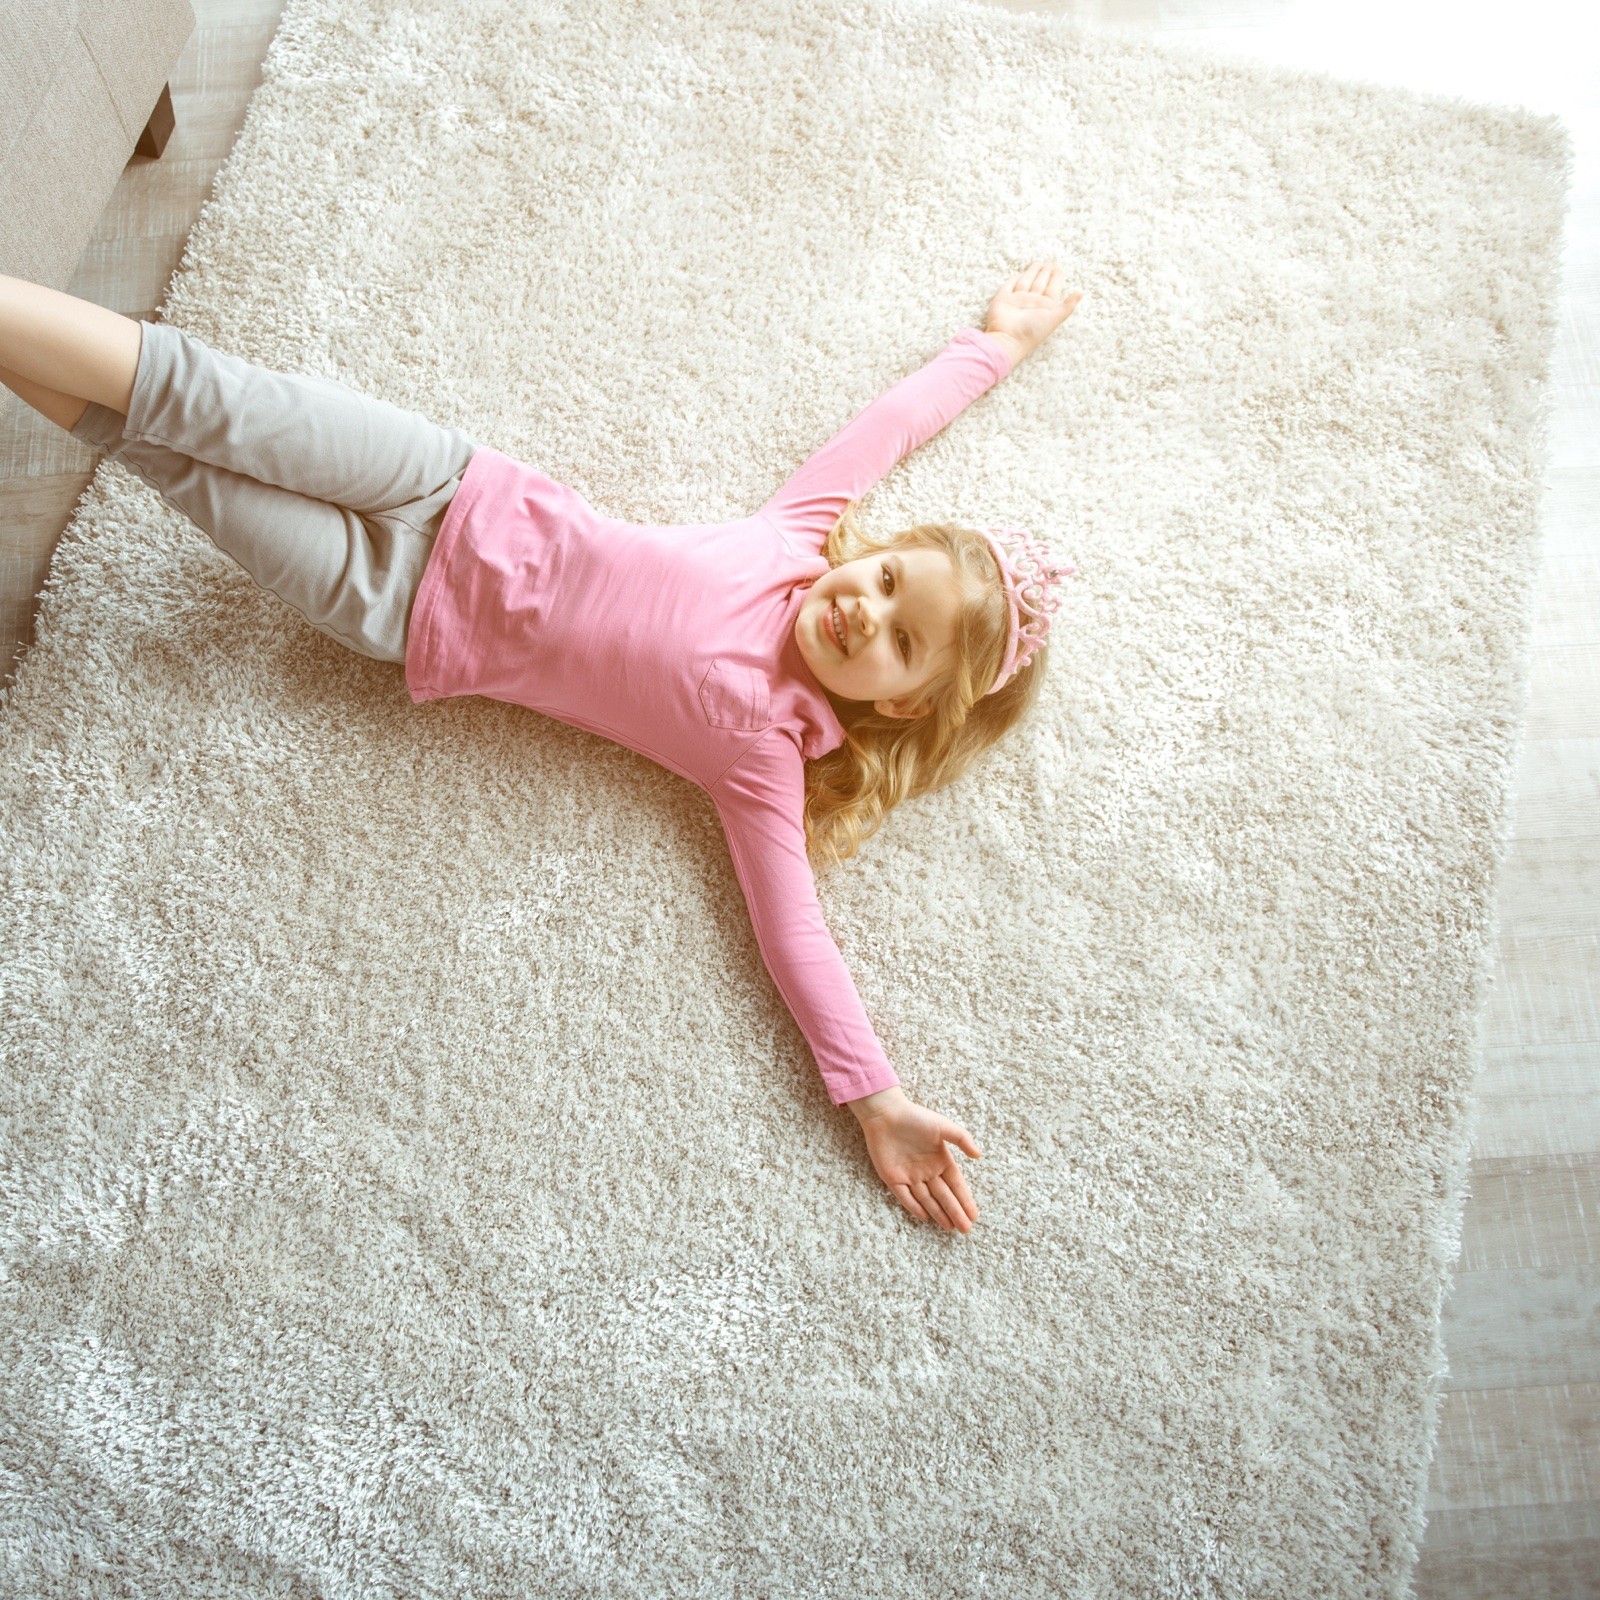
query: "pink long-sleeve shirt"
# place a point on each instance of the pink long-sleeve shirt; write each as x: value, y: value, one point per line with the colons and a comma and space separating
x: 678, y: 642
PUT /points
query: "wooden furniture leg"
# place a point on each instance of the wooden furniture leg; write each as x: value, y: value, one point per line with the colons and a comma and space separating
x: 159, y: 128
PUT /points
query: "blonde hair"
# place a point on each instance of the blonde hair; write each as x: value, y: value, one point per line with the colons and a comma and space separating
x: 884, y: 760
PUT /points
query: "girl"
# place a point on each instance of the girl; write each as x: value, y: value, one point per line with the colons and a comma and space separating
x: 807, y: 678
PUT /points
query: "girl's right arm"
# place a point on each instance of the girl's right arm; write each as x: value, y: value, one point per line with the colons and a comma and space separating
x: 901, y: 418
x: 1030, y: 308
x: 907, y: 414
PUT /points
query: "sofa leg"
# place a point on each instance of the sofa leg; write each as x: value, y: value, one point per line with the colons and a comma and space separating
x: 159, y: 128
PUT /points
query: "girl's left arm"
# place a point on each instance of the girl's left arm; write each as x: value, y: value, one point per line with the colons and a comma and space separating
x: 759, y: 802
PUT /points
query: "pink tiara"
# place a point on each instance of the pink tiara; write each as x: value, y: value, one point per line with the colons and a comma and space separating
x: 1032, y: 591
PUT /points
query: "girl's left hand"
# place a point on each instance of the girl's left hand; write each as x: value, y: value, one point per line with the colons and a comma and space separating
x: 908, y: 1146
x: 1032, y: 306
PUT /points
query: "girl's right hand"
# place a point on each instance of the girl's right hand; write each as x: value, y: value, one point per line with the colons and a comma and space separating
x: 1032, y: 306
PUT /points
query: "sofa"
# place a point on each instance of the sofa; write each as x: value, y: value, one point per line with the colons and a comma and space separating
x: 83, y: 87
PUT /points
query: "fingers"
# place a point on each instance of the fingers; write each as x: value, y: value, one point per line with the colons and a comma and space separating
x: 943, y: 1199
x: 1026, y: 281
x: 1046, y: 278
x: 934, y: 1201
x: 953, y: 1212
x: 934, y: 1196
x: 963, y: 1195
x: 955, y: 1134
x: 917, y: 1199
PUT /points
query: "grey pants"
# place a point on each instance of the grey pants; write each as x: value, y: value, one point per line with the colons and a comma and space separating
x: 328, y: 498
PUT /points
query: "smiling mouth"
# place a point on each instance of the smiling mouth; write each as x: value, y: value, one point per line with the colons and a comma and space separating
x: 836, y: 626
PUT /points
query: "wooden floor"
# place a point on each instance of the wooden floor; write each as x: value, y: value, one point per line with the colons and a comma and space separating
x: 1514, y: 1509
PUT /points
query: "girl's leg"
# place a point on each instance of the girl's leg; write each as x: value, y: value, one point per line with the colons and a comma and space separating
x: 352, y: 576
x: 62, y: 409
x: 329, y: 498
x: 312, y: 435
x: 69, y: 345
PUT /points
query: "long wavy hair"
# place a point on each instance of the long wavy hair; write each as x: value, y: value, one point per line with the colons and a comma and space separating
x: 884, y: 760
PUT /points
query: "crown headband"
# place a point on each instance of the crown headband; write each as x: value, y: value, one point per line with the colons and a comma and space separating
x: 1033, y: 595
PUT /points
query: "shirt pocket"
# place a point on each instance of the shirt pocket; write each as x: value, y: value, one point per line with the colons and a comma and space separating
x: 735, y: 697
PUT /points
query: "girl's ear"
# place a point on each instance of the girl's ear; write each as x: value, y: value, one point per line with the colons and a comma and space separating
x: 900, y: 708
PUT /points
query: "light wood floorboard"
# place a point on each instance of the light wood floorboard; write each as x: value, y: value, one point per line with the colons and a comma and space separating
x: 1514, y: 1506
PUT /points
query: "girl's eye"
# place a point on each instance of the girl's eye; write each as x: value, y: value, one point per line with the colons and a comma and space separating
x: 905, y: 642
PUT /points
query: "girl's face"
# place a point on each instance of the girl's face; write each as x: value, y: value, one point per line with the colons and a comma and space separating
x: 880, y: 628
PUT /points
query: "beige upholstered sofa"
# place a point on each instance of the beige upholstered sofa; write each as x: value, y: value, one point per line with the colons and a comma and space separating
x: 83, y: 83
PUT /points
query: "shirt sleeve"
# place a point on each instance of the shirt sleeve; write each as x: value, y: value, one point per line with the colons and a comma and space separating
x: 759, y: 800
x: 901, y: 418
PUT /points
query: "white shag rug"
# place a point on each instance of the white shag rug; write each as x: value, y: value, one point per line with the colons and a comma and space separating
x: 412, y: 1182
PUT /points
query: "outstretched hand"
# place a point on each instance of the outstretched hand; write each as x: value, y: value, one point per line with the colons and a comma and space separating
x: 1032, y: 306
x: 908, y: 1145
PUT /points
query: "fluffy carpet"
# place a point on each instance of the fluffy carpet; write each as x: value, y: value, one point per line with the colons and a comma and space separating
x: 413, y: 1184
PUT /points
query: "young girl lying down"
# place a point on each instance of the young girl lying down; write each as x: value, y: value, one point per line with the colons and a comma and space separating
x: 806, y: 677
